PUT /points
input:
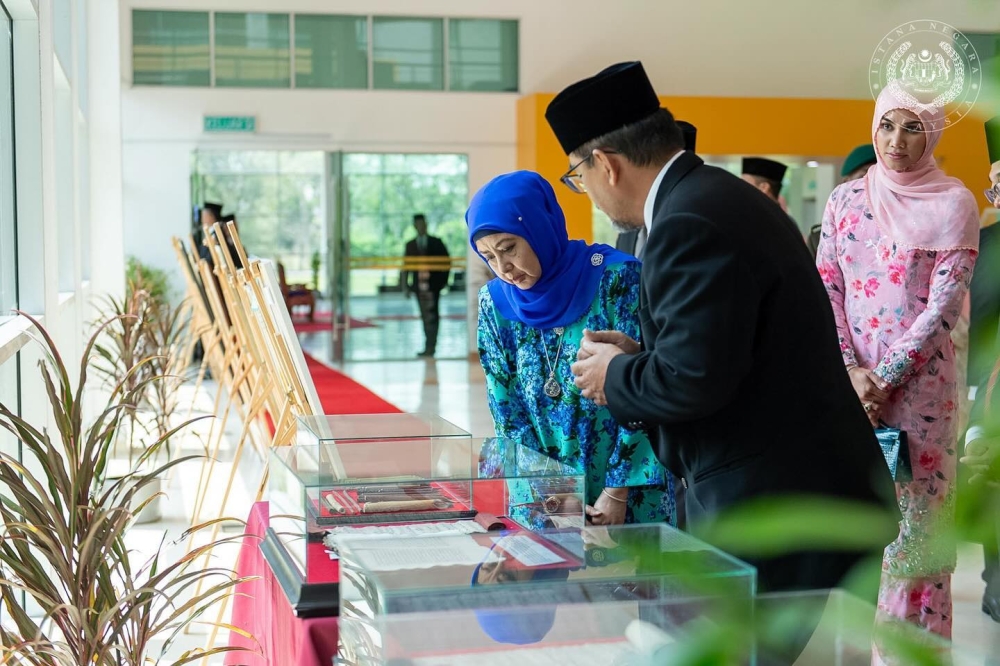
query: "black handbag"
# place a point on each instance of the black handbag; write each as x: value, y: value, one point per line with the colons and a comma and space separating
x: 896, y: 449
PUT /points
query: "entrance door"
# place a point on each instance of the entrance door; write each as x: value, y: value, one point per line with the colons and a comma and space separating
x: 373, y: 199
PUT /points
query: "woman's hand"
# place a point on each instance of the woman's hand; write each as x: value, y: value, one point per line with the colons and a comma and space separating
x: 609, y: 508
x: 872, y: 390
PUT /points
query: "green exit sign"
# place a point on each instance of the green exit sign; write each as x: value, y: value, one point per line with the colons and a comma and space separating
x: 230, y: 124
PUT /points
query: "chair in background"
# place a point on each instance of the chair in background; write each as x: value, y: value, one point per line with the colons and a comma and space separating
x: 296, y: 294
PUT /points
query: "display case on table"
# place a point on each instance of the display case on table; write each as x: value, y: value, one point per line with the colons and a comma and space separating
x: 396, y: 487
x: 816, y: 628
x: 515, y: 566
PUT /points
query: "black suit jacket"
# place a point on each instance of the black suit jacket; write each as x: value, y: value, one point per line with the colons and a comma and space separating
x: 984, y: 311
x: 435, y: 248
x: 626, y: 241
x: 741, y: 382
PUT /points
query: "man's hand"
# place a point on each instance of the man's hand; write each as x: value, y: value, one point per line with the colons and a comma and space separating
x: 616, y: 338
x: 591, y: 368
x: 979, y: 455
x: 995, y: 173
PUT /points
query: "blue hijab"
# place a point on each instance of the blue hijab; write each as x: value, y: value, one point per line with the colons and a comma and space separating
x: 523, y: 203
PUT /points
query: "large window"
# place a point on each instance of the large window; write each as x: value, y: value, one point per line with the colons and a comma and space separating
x: 277, y: 50
x: 8, y: 233
x: 252, y: 50
x: 331, y: 51
x: 170, y: 48
x: 482, y: 55
x: 277, y: 198
x: 386, y: 190
x: 408, y: 53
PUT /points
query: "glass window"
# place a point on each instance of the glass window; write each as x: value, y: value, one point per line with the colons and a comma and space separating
x: 482, y: 55
x: 62, y: 34
x: 252, y: 50
x: 278, y: 201
x: 408, y: 53
x: 8, y: 229
x: 170, y: 48
x: 602, y: 229
x: 81, y: 55
x: 331, y: 51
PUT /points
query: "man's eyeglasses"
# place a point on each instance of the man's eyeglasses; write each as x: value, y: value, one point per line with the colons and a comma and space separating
x: 992, y: 195
x: 573, y: 180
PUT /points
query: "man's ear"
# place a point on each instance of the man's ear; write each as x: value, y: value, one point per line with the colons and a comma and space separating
x: 608, y: 166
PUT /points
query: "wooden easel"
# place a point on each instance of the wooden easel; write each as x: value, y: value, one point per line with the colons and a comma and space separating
x: 251, y: 347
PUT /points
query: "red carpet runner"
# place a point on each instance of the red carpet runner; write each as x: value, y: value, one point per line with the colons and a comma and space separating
x: 339, y: 394
x: 323, y: 323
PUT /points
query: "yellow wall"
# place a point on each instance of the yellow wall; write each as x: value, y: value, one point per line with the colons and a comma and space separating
x: 810, y: 128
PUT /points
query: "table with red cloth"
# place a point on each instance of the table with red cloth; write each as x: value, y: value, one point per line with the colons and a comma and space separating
x: 261, y: 609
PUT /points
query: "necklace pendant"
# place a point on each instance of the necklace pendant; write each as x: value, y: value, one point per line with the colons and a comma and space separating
x: 551, y: 387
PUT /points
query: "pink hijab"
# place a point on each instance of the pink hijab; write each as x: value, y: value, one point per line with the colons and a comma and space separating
x: 921, y: 208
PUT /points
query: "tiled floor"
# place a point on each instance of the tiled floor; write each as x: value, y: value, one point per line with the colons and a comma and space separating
x: 395, y: 330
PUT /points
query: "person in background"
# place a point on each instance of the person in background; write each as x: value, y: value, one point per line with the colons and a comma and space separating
x: 856, y: 165
x: 738, y: 360
x: 858, y: 162
x: 766, y: 175
x: 210, y: 214
x: 634, y: 241
x: 225, y: 220
x: 532, y: 318
x: 426, y: 284
x: 896, y: 255
x: 982, y: 441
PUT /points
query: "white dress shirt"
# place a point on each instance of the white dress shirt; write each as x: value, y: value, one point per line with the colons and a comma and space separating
x: 647, y: 211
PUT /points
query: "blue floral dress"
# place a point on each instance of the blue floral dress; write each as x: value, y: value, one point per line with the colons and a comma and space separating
x: 570, y: 428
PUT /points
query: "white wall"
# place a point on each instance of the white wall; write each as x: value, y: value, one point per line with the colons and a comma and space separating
x: 764, y: 48
x: 794, y: 48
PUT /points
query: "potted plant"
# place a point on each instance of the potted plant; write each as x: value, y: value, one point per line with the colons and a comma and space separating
x: 144, y: 326
x: 62, y: 538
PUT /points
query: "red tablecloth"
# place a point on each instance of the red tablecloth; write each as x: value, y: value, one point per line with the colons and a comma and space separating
x: 261, y: 609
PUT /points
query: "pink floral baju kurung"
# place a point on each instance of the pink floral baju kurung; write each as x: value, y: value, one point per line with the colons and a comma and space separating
x: 895, y: 308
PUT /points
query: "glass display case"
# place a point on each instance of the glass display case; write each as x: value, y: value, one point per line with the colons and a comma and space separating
x: 570, y: 564
x: 817, y: 627
x: 343, y: 428
x: 393, y: 488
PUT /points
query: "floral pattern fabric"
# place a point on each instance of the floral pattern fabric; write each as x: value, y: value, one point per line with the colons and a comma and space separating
x: 895, y: 308
x: 516, y: 359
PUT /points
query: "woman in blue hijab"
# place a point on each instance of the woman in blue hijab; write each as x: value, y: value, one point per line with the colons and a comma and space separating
x: 532, y: 316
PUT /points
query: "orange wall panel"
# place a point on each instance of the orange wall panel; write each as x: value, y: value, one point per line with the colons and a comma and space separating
x: 808, y: 128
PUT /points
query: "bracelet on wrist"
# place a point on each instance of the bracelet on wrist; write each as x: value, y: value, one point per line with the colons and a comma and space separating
x: 617, y: 499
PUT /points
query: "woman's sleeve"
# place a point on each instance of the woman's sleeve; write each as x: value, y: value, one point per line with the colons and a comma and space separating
x: 828, y: 265
x: 631, y: 461
x: 932, y: 327
x: 511, y: 416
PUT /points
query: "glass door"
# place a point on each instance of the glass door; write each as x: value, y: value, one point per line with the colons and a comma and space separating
x: 374, y: 200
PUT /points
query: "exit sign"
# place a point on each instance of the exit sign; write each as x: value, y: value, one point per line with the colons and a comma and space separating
x: 230, y: 124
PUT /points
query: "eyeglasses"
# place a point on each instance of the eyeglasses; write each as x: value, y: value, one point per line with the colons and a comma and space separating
x: 574, y: 180
x: 992, y: 195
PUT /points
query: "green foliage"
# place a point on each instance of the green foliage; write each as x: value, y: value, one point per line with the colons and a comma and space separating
x: 145, y: 336
x: 63, y: 536
x: 156, y: 282
x: 315, y: 264
x: 278, y: 197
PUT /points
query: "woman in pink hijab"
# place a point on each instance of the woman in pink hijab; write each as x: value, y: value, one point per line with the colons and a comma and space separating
x: 896, y: 254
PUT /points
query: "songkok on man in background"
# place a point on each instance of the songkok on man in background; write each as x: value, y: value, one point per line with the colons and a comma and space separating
x: 764, y: 174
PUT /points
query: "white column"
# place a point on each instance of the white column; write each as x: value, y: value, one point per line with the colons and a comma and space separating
x: 107, y: 263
